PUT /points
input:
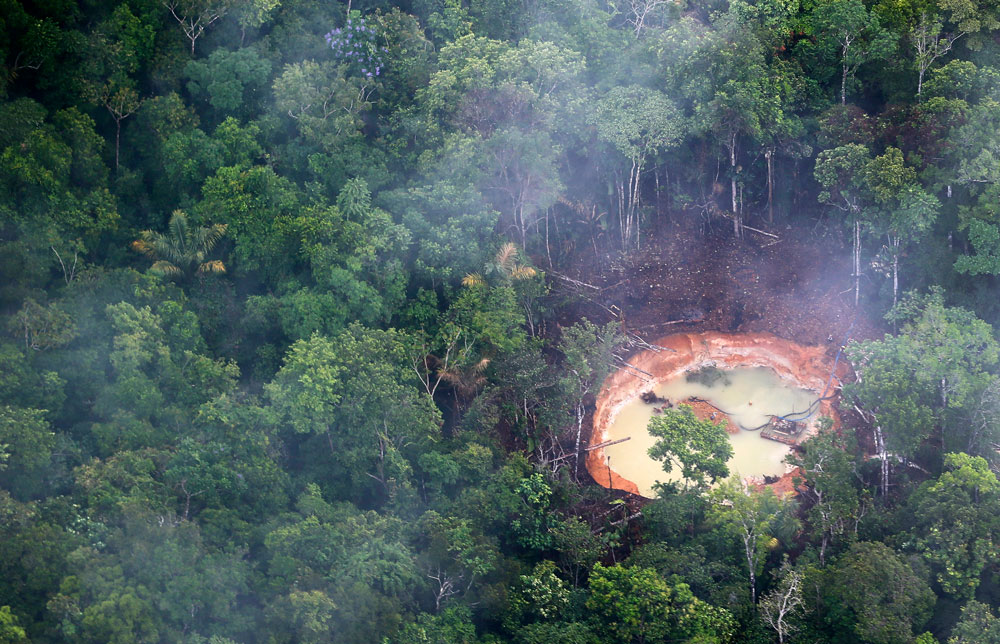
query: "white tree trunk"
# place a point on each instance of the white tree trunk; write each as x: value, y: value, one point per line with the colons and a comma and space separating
x: 884, y: 457
x: 857, y: 261
x: 769, y: 155
x: 737, y: 224
x: 579, y: 433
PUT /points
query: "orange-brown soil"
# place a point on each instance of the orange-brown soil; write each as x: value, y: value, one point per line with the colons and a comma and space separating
x: 692, y: 276
x: 785, y: 486
x: 808, y: 366
x: 705, y: 411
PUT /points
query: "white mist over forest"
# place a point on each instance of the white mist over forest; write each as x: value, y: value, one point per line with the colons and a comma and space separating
x: 311, y: 313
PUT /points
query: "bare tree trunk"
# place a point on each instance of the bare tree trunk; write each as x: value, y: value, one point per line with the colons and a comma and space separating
x: 118, y: 139
x: 69, y: 274
x: 524, y: 228
x: 769, y: 155
x: 782, y: 602
x: 749, y: 544
x: 895, y: 277
x: 579, y: 433
x: 884, y: 457
x: 656, y: 178
x: 548, y: 253
x: 666, y: 185
x: 843, y: 85
x: 732, y: 186
x: 894, y: 246
x: 632, y: 202
x: 857, y: 263
x: 622, y: 215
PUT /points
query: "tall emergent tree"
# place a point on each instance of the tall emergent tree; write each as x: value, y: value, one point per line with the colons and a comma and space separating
x: 640, y: 123
x: 926, y: 377
x: 358, y: 394
x: 827, y: 463
x: 195, y: 16
x: 886, y: 598
x: 752, y: 517
x: 956, y: 528
x: 855, y: 33
x: 841, y: 172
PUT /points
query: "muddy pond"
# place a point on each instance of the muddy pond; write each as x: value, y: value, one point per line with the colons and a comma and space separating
x: 750, y: 396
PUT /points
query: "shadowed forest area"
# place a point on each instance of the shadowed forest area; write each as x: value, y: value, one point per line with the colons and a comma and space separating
x: 304, y: 306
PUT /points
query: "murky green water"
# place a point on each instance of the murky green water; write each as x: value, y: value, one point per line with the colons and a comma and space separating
x: 750, y: 395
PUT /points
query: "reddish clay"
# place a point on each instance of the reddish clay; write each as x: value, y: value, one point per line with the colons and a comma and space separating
x: 809, y: 366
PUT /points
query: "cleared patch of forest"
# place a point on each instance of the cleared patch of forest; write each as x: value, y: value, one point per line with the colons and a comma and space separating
x: 306, y: 309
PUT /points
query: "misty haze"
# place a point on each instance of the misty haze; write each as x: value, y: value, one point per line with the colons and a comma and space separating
x: 499, y: 322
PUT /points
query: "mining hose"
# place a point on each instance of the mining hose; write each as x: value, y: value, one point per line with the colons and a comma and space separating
x: 800, y: 416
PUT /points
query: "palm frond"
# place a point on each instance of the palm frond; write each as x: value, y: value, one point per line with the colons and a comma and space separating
x: 204, y: 239
x: 141, y: 245
x: 183, y: 247
x: 214, y: 266
x: 473, y: 279
x: 178, y: 230
x: 165, y: 248
x: 214, y: 233
x: 164, y: 267
x: 506, y: 256
x: 523, y: 272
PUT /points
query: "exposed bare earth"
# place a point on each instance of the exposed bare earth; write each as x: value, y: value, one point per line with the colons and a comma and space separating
x: 798, y: 289
x: 683, y: 280
x: 808, y: 366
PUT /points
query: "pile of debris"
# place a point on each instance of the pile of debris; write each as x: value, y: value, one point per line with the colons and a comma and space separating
x: 650, y: 398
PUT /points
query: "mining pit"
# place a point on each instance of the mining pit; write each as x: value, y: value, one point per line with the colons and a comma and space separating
x: 804, y: 374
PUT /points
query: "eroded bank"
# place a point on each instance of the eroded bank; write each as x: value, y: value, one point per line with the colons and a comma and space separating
x: 808, y: 367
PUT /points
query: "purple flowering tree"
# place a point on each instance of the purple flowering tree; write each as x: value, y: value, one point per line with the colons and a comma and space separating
x: 356, y: 45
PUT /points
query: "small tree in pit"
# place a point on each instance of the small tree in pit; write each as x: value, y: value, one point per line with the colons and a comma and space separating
x: 700, y: 448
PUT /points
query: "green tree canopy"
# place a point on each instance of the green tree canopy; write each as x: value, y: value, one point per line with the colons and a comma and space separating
x: 699, y: 448
x: 357, y: 392
x: 955, y: 525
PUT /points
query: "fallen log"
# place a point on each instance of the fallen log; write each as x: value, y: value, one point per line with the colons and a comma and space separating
x: 628, y: 518
x: 762, y: 232
x: 607, y: 444
x: 592, y: 447
x: 573, y: 281
x: 632, y: 367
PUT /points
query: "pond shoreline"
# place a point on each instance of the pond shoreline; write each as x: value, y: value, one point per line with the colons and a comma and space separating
x: 808, y: 367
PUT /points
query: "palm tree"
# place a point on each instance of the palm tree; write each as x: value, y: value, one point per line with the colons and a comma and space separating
x: 465, y: 379
x: 505, y: 264
x: 183, y: 249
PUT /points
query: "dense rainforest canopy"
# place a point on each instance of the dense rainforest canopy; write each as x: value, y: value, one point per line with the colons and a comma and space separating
x: 299, y: 337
